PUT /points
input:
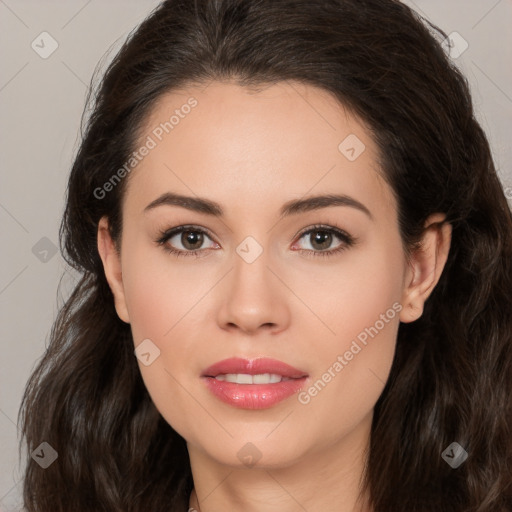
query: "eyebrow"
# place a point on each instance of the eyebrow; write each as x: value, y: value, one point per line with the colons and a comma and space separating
x: 293, y: 207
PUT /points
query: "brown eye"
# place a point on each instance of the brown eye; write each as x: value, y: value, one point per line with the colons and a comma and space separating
x: 321, y: 239
x: 191, y: 240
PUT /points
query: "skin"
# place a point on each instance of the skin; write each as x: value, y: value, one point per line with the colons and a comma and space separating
x: 251, y: 152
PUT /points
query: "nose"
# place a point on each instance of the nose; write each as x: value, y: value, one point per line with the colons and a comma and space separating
x: 253, y: 298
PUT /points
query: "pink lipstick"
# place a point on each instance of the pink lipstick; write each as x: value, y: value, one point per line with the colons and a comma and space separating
x: 253, y: 384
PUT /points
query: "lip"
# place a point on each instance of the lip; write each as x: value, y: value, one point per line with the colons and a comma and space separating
x: 253, y: 367
x: 253, y: 396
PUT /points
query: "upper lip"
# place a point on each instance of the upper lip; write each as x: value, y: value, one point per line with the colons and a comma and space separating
x: 253, y: 367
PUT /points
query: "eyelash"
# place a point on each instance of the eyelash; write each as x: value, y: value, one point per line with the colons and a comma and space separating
x: 348, y: 240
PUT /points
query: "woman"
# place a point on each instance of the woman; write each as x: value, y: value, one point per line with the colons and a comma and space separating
x: 296, y: 275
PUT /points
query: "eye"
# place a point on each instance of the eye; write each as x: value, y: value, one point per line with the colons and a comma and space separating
x: 321, y: 237
x: 190, y: 237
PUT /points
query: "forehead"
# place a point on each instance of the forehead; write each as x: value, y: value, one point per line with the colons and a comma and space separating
x: 255, y: 148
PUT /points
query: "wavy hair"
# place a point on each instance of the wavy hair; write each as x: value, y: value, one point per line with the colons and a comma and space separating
x: 451, y: 378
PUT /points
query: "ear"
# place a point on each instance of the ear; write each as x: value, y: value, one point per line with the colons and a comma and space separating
x: 112, y: 266
x: 426, y: 266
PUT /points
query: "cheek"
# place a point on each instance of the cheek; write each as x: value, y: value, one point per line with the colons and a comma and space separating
x: 158, y: 301
x: 157, y: 289
x: 351, y: 295
x: 359, y: 304
x: 163, y: 297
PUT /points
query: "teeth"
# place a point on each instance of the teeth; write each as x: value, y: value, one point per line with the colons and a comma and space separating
x: 244, y: 378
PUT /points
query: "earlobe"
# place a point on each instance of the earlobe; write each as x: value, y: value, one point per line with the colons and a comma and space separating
x: 426, y: 266
x: 112, y: 267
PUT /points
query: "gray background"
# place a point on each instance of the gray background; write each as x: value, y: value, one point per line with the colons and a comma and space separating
x: 41, y: 101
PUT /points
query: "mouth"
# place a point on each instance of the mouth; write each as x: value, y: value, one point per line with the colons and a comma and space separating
x: 262, y: 367
x: 253, y: 384
x: 246, y: 378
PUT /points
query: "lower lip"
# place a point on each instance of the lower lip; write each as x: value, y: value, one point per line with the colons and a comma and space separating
x: 253, y: 396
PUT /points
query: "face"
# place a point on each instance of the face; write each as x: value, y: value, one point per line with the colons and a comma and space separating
x: 320, y: 287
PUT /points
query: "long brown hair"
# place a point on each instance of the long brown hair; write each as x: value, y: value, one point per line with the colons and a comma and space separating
x: 451, y: 379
